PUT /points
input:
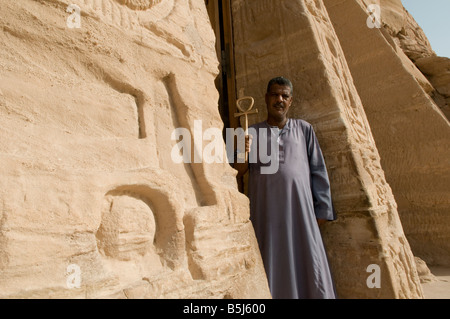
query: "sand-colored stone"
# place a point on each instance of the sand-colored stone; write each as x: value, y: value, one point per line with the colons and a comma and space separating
x: 87, y: 177
x: 411, y: 133
x: 437, y: 70
x: 87, y: 116
x: 424, y: 272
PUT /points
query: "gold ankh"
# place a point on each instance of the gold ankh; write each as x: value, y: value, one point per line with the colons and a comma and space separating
x: 245, y: 112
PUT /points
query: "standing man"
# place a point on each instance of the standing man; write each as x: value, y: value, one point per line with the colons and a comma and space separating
x: 288, y: 206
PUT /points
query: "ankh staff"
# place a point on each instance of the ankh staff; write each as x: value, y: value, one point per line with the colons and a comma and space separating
x: 245, y: 112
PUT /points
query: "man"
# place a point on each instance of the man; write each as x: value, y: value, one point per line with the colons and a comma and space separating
x: 288, y: 206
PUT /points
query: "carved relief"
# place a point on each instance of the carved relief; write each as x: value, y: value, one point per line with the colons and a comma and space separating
x: 139, y: 4
x: 128, y: 228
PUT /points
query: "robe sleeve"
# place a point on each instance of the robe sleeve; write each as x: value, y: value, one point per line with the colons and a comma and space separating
x: 320, y: 184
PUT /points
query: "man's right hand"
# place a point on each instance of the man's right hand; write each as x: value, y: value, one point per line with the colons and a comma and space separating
x: 242, y: 167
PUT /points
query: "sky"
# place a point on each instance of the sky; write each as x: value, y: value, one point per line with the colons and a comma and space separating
x: 433, y: 16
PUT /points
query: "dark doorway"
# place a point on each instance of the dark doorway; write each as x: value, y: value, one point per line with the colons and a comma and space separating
x: 220, y: 16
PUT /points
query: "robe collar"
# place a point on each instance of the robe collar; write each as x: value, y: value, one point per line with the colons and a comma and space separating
x: 286, y: 127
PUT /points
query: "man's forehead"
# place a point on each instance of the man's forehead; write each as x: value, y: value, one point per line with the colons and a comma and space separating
x: 277, y: 88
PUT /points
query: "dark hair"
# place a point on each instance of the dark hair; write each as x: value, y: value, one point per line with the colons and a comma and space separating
x: 280, y: 81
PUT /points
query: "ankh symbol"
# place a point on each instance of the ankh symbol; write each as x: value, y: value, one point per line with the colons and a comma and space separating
x: 245, y: 112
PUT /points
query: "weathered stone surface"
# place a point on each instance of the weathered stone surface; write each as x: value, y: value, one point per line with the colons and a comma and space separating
x: 411, y: 134
x: 437, y: 70
x: 399, y: 23
x: 87, y: 180
x: 409, y: 36
x: 424, y: 272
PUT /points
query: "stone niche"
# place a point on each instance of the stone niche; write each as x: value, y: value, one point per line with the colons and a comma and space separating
x: 127, y: 229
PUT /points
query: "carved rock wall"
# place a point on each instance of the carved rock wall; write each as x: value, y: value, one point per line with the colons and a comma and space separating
x: 87, y: 180
x: 411, y: 39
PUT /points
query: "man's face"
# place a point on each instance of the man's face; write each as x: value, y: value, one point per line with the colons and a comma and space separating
x: 278, y: 101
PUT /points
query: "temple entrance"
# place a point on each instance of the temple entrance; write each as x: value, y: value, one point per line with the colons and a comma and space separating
x: 220, y: 16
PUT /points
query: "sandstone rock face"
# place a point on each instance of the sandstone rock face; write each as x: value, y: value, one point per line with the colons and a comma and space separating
x: 424, y: 272
x: 399, y: 23
x: 92, y: 203
x: 411, y: 133
x: 437, y: 70
x: 409, y: 36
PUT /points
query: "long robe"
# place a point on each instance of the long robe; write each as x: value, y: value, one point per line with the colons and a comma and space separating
x: 284, y: 208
